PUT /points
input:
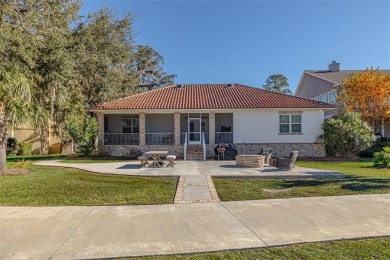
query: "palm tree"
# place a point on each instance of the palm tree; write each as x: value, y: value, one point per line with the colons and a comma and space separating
x: 15, y: 104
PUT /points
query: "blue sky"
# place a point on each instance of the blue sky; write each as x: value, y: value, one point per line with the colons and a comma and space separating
x: 246, y: 41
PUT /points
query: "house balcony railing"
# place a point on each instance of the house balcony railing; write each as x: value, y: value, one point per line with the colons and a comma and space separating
x: 121, y: 139
x: 223, y: 137
x: 159, y: 138
x: 206, y: 137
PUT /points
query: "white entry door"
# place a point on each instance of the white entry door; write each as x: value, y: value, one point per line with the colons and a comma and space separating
x: 194, y: 131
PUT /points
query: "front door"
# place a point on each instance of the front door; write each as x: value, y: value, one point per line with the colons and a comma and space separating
x: 194, y: 133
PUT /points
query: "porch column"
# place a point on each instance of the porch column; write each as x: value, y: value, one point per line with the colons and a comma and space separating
x: 212, y: 128
x: 141, y: 128
x: 100, y: 119
x: 177, y: 127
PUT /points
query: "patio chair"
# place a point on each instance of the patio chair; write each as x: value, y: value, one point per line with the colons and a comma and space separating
x: 287, y: 163
x: 267, y: 152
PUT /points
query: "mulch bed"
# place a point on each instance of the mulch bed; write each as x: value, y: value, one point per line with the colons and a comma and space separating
x: 15, y: 171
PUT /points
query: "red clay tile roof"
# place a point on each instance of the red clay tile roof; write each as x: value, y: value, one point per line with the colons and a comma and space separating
x: 209, y: 96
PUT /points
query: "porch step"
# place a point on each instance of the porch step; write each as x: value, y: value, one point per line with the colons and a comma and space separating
x: 194, y: 152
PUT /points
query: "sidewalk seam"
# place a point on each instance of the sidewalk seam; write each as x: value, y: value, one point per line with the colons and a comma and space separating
x: 244, y: 224
x: 74, y: 231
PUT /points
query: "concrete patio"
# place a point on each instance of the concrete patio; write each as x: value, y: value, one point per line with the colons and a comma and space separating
x: 186, y: 168
x: 195, y: 184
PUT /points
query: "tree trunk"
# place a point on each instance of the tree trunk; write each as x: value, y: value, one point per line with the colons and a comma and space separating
x: 383, y: 128
x: 3, y: 137
x: 44, y: 139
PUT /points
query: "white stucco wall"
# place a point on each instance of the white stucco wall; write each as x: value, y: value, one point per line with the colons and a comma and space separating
x: 263, y: 127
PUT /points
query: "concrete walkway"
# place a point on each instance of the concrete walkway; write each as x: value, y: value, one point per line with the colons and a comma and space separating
x: 195, y: 188
x: 98, y: 232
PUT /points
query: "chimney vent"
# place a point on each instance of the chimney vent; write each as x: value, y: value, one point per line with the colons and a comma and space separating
x: 230, y: 85
x: 179, y: 86
x: 334, y: 66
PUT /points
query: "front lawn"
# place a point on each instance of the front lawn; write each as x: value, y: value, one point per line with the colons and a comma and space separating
x: 16, y: 158
x: 51, y: 186
x: 376, y: 248
x: 360, y: 178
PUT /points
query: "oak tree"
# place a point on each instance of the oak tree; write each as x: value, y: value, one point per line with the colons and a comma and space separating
x: 277, y: 83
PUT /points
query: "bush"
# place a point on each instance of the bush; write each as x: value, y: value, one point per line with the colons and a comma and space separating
x: 133, y: 153
x: 346, y: 134
x: 87, y: 141
x: 369, y: 153
x: 21, y: 164
x: 12, y: 144
x: 382, y: 158
x: 24, y: 148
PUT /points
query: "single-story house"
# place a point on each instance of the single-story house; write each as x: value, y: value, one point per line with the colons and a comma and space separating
x: 194, y: 118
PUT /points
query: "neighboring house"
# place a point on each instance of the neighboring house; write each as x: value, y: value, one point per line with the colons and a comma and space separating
x: 180, y: 117
x: 321, y: 85
x: 26, y: 133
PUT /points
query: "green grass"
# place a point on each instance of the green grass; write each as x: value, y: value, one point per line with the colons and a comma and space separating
x: 377, y: 248
x: 37, y: 157
x: 51, y: 186
x: 66, y: 158
x: 360, y: 178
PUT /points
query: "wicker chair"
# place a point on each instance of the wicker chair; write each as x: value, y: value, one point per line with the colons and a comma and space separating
x: 287, y: 163
x: 267, y: 152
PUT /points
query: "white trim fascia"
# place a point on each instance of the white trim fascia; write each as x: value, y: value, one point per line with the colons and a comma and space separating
x: 183, y: 111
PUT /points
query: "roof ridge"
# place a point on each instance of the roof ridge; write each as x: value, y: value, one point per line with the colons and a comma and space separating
x: 210, y: 96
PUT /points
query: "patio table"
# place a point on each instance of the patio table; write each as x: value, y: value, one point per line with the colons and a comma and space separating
x: 156, y: 156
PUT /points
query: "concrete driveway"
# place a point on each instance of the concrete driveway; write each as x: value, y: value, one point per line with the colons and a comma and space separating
x: 98, y: 232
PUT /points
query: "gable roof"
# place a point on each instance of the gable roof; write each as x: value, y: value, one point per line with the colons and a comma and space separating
x: 336, y: 77
x: 209, y: 96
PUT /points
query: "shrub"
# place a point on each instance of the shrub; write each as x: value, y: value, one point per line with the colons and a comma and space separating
x: 382, y: 158
x: 133, y: 153
x: 87, y: 140
x: 21, y: 164
x: 24, y: 148
x: 346, y: 134
x: 12, y: 144
x: 369, y: 152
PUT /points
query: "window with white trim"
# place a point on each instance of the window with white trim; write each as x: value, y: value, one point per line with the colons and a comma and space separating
x: 290, y: 123
x: 332, y: 97
x: 323, y: 98
x: 130, y: 125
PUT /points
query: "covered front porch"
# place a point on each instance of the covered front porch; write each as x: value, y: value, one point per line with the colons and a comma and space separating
x: 166, y: 128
